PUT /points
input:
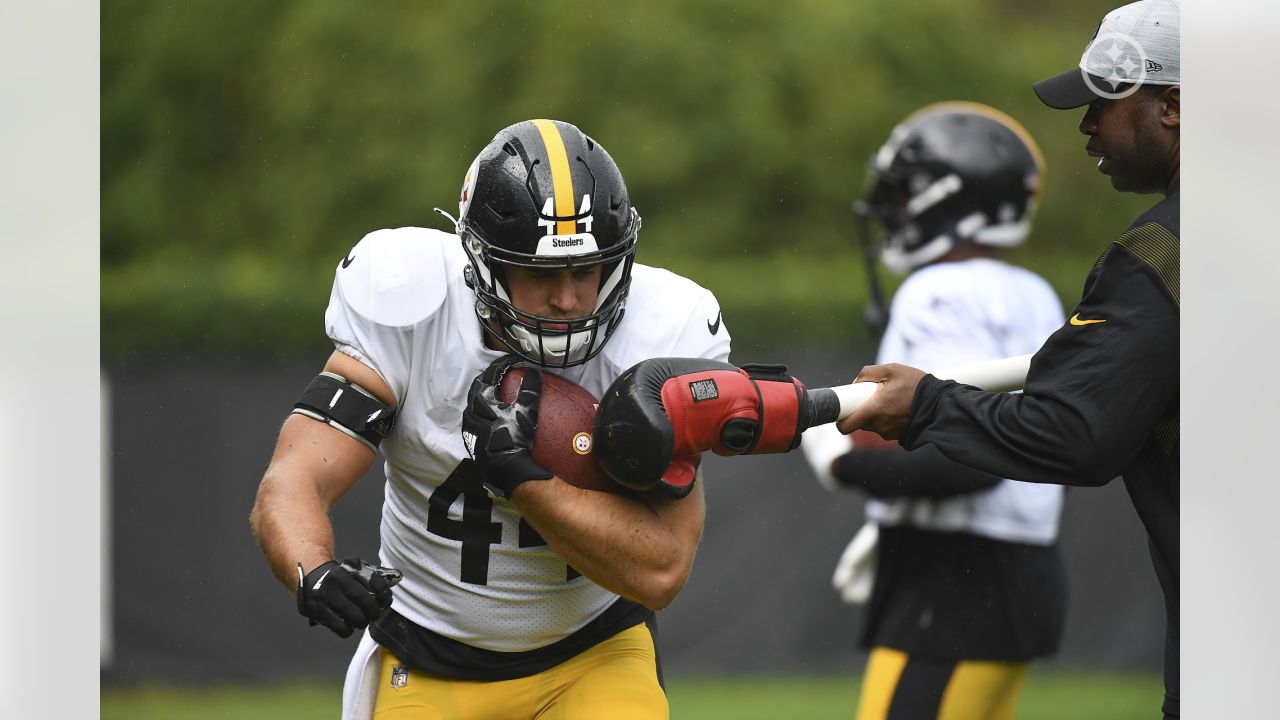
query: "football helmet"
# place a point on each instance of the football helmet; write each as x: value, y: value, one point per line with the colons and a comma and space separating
x: 544, y: 195
x: 951, y: 173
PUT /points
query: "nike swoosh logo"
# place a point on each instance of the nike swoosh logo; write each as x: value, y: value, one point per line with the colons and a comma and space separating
x: 713, y: 329
x: 347, y: 260
x: 1075, y: 320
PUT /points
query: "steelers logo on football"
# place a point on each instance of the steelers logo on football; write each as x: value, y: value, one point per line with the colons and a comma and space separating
x: 582, y: 443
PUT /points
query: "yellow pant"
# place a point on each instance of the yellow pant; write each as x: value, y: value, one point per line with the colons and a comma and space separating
x: 900, y: 687
x: 618, y: 678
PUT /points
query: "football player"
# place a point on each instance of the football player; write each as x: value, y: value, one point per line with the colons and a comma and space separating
x: 519, y: 595
x: 965, y: 581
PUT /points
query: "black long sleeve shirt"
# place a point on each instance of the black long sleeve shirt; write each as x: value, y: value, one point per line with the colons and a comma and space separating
x: 925, y: 473
x: 1101, y: 400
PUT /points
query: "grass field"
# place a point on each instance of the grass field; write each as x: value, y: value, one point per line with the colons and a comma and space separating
x: 1047, y: 696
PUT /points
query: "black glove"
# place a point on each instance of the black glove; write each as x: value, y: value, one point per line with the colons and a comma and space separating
x: 499, y: 435
x: 345, y: 596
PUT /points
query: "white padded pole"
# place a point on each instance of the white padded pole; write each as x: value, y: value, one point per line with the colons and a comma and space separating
x: 1000, y: 375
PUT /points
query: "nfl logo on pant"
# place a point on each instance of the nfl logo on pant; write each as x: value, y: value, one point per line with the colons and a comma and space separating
x: 399, y: 676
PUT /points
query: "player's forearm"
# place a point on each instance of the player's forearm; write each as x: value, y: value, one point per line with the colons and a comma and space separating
x: 313, y: 466
x: 620, y: 543
x: 291, y: 525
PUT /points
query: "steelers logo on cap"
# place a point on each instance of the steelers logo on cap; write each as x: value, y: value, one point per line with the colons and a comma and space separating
x: 1120, y: 61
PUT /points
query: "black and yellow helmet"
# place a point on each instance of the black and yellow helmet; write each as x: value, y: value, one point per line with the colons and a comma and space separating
x: 542, y: 194
x: 952, y: 173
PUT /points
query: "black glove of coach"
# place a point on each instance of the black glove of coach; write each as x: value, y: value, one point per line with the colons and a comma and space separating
x: 500, y: 435
x: 346, y: 595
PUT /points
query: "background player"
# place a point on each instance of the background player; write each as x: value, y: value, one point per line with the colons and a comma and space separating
x: 1102, y: 394
x: 968, y: 582
x: 543, y: 592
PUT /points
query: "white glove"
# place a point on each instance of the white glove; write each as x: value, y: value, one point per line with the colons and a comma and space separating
x: 856, y: 570
x: 821, y: 445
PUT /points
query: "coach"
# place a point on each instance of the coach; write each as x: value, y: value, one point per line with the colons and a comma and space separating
x: 1101, y: 397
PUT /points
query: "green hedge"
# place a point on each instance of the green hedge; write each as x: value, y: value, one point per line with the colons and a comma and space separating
x: 246, y: 146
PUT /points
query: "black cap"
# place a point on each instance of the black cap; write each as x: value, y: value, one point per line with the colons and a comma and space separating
x: 1069, y: 90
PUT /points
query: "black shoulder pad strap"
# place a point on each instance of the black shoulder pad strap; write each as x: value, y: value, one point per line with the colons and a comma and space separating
x: 333, y: 399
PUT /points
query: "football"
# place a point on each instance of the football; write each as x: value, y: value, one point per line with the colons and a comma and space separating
x: 566, y: 418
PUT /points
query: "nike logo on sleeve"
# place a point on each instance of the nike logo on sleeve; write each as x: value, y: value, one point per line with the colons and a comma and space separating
x: 714, y: 328
x: 1075, y: 320
x: 348, y: 260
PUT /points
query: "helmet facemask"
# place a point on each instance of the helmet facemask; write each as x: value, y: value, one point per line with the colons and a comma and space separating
x: 914, y: 220
x: 548, y: 341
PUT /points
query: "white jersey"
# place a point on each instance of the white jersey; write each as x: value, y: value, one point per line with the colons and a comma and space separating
x: 474, y: 571
x: 957, y: 313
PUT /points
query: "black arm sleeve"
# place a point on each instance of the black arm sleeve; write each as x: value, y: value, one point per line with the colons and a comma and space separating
x: 1093, y: 394
x: 922, y: 473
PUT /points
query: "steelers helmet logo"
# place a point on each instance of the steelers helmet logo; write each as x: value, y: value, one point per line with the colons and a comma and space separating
x: 468, y: 188
x: 582, y: 443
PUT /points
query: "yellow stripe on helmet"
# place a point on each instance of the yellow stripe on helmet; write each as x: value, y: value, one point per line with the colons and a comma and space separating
x: 561, y: 177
